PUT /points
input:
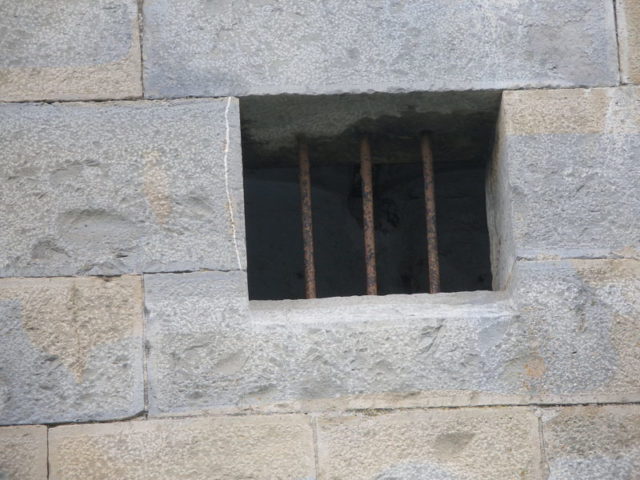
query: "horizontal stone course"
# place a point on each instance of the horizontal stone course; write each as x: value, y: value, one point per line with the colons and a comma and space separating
x: 208, y: 350
x: 23, y: 453
x: 120, y: 187
x: 223, y: 448
x: 593, y: 443
x: 199, y: 48
x: 497, y: 443
x: 70, y: 349
x: 566, y: 332
x: 80, y: 50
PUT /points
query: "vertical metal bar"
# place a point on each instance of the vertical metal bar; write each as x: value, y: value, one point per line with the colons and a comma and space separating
x: 307, y: 221
x: 430, y: 204
x: 367, y: 210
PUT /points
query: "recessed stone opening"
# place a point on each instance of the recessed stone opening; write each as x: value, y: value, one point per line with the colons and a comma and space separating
x: 461, y: 126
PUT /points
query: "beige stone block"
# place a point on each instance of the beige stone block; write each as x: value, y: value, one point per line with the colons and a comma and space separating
x: 593, y: 443
x: 80, y: 50
x: 70, y: 348
x: 628, y: 12
x: 23, y: 453
x: 571, y: 111
x: 256, y: 447
x: 69, y: 317
x: 497, y: 443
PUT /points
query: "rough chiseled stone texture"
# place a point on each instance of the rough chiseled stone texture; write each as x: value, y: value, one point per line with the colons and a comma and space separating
x: 120, y: 187
x: 465, y: 444
x: 85, y: 49
x: 629, y: 38
x: 70, y: 349
x: 593, y: 443
x: 23, y: 453
x: 581, y: 320
x: 208, y: 351
x: 568, y: 332
x: 268, y: 47
x: 273, y: 447
x: 566, y: 180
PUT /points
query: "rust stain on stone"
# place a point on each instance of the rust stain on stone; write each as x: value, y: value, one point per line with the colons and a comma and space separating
x: 70, y: 317
x: 535, y: 367
x: 156, y: 186
x: 616, y: 282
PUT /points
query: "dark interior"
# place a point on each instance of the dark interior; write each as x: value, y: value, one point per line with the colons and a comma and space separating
x: 462, y: 132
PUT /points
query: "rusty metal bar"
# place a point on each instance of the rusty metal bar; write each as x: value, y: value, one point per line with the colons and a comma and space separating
x: 430, y: 204
x: 307, y: 221
x: 367, y: 215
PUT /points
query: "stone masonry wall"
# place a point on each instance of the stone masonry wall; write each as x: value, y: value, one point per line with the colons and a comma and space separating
x: 128, y: 346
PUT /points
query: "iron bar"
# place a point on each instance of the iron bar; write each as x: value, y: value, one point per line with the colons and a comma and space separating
x: 307, y: 221
x: 430, y: 204
x: 367, y: 215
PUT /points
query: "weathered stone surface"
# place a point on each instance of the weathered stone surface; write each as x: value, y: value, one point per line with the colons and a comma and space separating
x: 567, y: 331
x: 498, y: 443
x: 120, y: 187
x: 272, y: 123
x: 208, y: 351
x: 70, y: 349
x: 593, y: 443
x: 582, y: 322
x: 224, y: 448
x: 23, y: 453
x: 629, y: 38
x: 566, y: 181
x: 297, y: 46
x: 85, y: 49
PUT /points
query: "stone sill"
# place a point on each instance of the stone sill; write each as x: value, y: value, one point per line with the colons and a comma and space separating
x: 398, y: 308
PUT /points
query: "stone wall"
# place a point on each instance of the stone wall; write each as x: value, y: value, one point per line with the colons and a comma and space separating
x: 128, y: 345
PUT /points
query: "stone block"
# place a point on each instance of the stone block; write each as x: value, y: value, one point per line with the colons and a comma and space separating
x: 207, y: 350
x: 120, y: 187
x: 629, y: 38
x: 222, y: 448
x: 469, y: 444
x: 593, y: 443
x: 582, y: 322
x: 85, y: 49
x: 201, y: 48
x: 565, y: 180
x: 23, y: 453
x: 70, y: 349
x: 566, y: 332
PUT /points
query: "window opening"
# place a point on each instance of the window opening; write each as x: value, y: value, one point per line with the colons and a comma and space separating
x: 361, y: 207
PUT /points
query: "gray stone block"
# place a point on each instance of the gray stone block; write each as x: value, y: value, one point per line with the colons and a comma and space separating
x: 565, y: 332
x: 23, y: 453
x: 85, y: 49
x: 458, y: 444
x: 121, y: 187
x: 208, y: 350
x: 70, y: 349
x: 268, y: 47
x: 565, y: 181
x: 205, y: 448
x: 582, y: 333
x: 592, y: 443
